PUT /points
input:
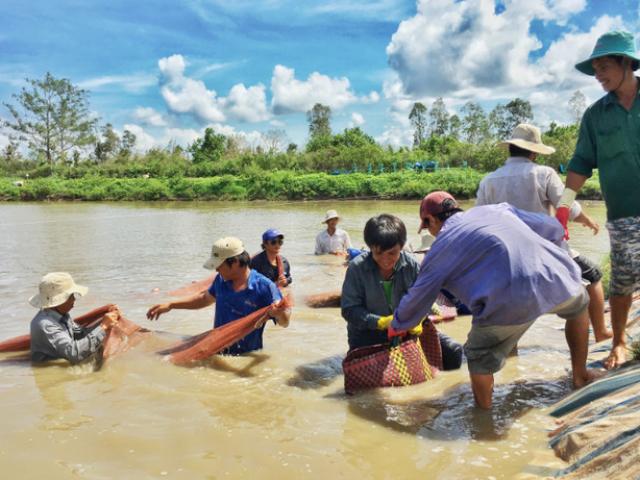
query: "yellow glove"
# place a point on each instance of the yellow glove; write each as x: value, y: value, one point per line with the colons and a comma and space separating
x: 384, y: 322
x: 417, y: 330
x: 435, y: 309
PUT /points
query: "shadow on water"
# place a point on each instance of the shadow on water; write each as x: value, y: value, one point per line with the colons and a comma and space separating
x: 225, y: 363
x: 453, y: 415
x: 317, y: 374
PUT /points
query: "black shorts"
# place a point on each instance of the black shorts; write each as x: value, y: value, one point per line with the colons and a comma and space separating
x: 590, y: 271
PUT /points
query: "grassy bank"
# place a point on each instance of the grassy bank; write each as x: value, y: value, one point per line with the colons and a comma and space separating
x: 462, y: 183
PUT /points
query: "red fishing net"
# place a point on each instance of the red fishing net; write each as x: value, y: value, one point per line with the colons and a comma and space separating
x: 204, y: 345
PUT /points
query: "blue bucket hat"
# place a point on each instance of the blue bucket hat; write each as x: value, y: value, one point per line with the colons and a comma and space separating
x: 271, y: 234
x: 611, y: 43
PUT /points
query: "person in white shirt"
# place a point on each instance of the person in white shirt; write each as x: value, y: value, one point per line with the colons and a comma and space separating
x: 333, y: 240
x: 538, y: 188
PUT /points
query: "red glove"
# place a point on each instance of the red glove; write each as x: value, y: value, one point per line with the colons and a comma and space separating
x: 391, y: 333
x: 562, y: 214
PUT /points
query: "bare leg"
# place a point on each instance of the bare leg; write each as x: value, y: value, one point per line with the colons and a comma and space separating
x: 577, y: 334
x: 482, y: 386
x: 596, y: 312
x: 620, y: 305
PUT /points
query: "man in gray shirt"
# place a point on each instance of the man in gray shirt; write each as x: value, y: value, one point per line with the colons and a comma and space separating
x: 54, y: 334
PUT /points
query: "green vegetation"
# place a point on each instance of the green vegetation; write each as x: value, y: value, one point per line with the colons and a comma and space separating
x: 58, y: 151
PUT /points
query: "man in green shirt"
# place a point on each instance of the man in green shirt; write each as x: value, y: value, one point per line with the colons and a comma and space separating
x: 609, y: 140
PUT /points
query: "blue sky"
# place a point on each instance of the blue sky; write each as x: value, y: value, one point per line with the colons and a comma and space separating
x: 167, y: 70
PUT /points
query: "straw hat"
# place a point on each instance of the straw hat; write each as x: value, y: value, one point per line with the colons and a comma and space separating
x: 528, y: 137
x: 55, y: 289
x: 426, y: 241
x: 224, y: 248
x: 329, y: 215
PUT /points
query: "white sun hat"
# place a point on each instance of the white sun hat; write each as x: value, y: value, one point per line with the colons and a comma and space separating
x: 528, y: 137
x: 224, y: 248
x: 55, y: 288
x: 329, y: 215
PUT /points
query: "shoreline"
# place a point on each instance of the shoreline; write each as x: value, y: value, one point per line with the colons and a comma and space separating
x: 270, y: 186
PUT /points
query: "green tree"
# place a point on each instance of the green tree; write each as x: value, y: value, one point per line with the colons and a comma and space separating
x: 455, y: 125
x: 352, y: 138
x: 127, y: 143
x: 52, y: 116
x: 499, y: 123
x: 475, y: 125
x: 438, y: 118
x: 319, y: 118
x: 518, y: 111
x: 210, y: 148
x: 577, y: 106
x: 417, y: 116
x: 107, y: 143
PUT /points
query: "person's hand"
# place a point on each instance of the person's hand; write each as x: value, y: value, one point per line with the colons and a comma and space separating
x: 157, y: 310
x: 384, y: 322
x: 589, y: 223
x: 392, y: 333
x: 417, y: 330
x: 110, y: 320
x: 282, y: 281
x: 562, y: 214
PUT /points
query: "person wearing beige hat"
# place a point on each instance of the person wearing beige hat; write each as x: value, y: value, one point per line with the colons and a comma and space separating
x: 54, y: 334
x: 333, y: 240
x: 608, y: 140
x: 237, y: 291
x: 537, y: 188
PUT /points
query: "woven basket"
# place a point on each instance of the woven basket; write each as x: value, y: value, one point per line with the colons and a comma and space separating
x: 386, y: 365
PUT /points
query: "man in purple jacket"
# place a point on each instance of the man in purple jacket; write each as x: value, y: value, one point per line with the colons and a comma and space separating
x: 508, y: 267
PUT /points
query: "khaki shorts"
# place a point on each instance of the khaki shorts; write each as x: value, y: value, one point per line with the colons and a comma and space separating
x: 487, y: 348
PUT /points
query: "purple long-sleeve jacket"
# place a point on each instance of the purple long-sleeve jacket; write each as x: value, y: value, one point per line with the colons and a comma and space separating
x: 505, y: 264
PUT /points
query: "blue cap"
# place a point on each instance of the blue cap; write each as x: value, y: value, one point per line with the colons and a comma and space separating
x: 271, y: 234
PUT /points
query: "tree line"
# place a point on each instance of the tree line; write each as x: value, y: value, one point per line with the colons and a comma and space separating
x: 52, y: 132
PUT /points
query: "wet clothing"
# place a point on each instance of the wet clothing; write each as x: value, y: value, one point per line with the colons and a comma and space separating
x: 262, y: 264
x: 624, y: 235
x: 488, y: 347
x: 525, y: 185
x: 55, y: 336
x: 231, y: 305
x: 505, y: 264
x: 338, y: 242
x: 366, y: 297
x: 609, y: 140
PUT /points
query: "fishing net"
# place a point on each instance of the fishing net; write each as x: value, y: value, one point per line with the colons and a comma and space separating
x: 204, y: 345
x: 123, y: 336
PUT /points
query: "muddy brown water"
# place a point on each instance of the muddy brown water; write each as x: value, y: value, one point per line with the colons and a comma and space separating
x: 279, y: 413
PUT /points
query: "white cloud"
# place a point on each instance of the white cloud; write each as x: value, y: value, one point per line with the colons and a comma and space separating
x: 248, y: 104
x: 132, y: 83
x: 144, y: 140
x: 149, y: 116
x: 184, y: 95
x: 293, y: 95
x: 357, y: 120
x: 451, y: 46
